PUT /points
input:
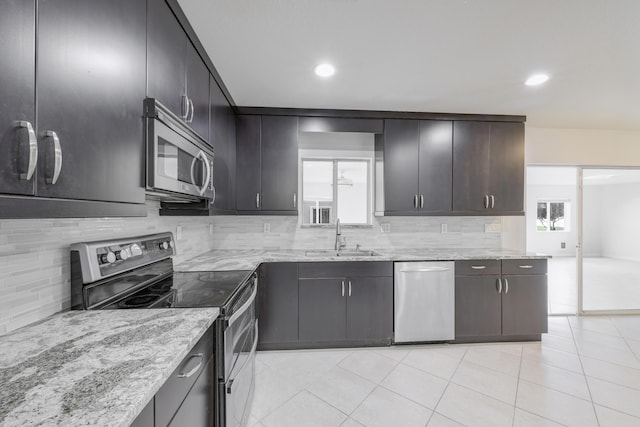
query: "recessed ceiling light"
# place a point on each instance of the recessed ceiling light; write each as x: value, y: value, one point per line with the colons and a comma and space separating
x: 325, y: 70
x: 536, y: 79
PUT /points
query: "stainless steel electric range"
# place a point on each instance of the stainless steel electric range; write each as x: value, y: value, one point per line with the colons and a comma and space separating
x: 137, y: 273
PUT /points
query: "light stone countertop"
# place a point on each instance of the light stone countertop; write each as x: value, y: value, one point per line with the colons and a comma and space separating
x: 100, y: 367
x: 249, y: 259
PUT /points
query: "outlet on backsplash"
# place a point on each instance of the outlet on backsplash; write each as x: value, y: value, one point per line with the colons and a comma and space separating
x: 385, y: 227
x: 179, y: 232
x: 493, y: 228
x: 443, y: 228
x: 266, y: 227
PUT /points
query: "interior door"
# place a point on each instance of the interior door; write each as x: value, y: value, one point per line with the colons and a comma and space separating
x: 17, y: 96
x: 91, y: 86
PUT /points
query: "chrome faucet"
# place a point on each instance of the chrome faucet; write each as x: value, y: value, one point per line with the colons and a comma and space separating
x: 341, y: 242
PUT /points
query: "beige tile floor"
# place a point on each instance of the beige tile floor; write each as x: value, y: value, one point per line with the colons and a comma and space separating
x: 585, y: 372
x: 609, y: 284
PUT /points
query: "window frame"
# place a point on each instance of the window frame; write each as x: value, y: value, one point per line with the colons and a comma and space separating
x: 334, y: 203
x: 567, y: 212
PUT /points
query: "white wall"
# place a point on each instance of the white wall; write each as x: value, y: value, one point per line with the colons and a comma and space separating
x: 547, y: 146
x: 592, y: 221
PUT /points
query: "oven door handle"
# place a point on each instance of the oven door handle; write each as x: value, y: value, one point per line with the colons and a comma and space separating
x: 245, y: 306
x: 252, y: 354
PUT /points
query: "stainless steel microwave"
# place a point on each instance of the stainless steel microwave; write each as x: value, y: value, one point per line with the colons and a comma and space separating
x: 179, y: 161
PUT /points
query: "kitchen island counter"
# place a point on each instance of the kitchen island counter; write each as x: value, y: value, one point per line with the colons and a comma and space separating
x: 93, y: 367
x: 250, y: 259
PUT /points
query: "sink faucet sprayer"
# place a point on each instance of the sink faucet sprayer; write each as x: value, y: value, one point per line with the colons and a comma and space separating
x: 341, y: 242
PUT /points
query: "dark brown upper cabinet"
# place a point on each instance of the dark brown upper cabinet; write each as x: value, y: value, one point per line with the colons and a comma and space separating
x: 176, y: 75
x: 85, y: 152
x: 18, y: 144
x: 91, y: 80
x: 417, y: 167
x: 222, y: 136
x: 488, y: 168
x: 267, y: 164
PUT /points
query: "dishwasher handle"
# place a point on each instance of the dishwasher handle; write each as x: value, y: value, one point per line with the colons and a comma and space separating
x: 425, y: 270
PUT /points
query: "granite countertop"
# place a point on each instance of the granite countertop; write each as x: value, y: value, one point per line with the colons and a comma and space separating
x: 249, y: 259
x: 100, y: 367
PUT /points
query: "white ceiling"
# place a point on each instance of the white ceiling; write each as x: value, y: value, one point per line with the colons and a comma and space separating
x: 457, y: 56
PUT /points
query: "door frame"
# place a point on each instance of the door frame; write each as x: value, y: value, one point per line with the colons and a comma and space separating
x: 579, y: 246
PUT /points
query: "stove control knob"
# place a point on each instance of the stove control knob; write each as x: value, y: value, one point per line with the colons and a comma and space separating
x: 164, y: 246
x: 124, y: 254
x: 108, y: 258
x: 135, y: 249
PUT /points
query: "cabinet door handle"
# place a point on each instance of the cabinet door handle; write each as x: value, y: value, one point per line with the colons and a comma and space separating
x: 57, y: 157
x: 486, y: 201
x: 343, y: 288
x: 257, y: 200
x: 193, y: 110
x: 493, y: 201
x: 499, y: 285
x: 295, y: 200
x: 349, y: 287
x: 195, y: 368
x: 478, y: 267
x: 33, y: 149
x: 421, y: 201
x: 506, y: 286
x: 415, y: 200
x: 526, y: 266
x: 185, y: 107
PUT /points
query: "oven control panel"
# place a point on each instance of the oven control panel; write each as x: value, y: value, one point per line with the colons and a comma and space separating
x: 108, y: 257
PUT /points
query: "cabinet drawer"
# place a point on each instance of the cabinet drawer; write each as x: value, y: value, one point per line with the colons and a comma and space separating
x: 524, y: 266
x: 477, y: 267
x: 175, y: 389
x: 314, y: 270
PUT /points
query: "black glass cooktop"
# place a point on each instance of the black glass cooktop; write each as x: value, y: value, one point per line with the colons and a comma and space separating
x: 186, y: 289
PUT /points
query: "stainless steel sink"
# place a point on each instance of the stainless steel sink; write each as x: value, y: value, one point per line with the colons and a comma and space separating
x: 332, y: 253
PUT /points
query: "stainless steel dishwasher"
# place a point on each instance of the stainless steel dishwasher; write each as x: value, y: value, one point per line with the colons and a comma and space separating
x: 424, y: 301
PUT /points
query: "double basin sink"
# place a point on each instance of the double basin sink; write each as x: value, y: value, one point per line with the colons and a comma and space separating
x: 342, y: 253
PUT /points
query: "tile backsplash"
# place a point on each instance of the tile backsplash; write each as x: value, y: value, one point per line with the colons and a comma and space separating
x: 34, y: 257
x: 246, y: 232
x: 34, y: 254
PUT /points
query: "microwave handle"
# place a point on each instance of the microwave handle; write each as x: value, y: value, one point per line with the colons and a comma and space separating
x: 204, y: 159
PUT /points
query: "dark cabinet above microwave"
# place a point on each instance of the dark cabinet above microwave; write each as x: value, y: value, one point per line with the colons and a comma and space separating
x: 84, y: 157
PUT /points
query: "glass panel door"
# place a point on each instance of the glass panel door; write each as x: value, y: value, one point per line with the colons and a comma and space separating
x: 551, y: 228
x: 610, y: 236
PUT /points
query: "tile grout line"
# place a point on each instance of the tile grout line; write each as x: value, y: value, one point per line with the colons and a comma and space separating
x: 447, y: 386
x: 515, y: 399
x: 625, y: 339
x: 584, y: 374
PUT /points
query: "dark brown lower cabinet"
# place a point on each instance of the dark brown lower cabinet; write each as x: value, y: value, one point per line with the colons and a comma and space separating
x: 146, y: 417
x: 478, y: 306
x: 370, y: 309
x: 197, y: 407
x: 492, y: 306
x: 186, y: 398
x: 325, y: 304
x: 524, y: 304
x: 277, y: 303
x: 322, y: 310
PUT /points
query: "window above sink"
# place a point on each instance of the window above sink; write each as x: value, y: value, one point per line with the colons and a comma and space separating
x: 336, y: 179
